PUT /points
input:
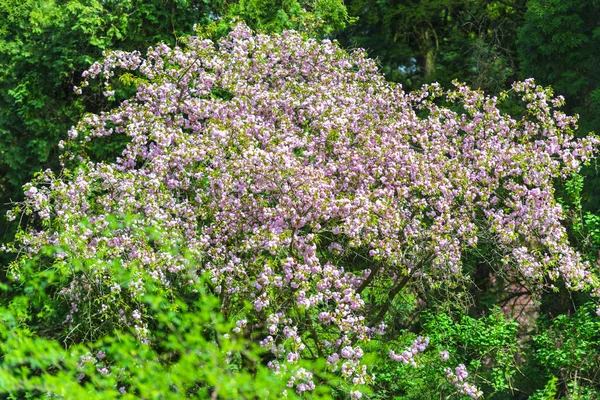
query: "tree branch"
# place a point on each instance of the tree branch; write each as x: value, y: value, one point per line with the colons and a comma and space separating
x: 392, y: 294
x: 390, y: 297
x: 369, y: 279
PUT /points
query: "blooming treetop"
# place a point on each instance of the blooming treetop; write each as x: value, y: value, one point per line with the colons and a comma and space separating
x: 276, y: 162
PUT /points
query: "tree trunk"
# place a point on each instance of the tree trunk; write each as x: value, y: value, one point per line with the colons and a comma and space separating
x: 429, y: 46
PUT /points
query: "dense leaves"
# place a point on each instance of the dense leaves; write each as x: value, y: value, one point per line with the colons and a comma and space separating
x: 192, y: 355
x: 557, y: 45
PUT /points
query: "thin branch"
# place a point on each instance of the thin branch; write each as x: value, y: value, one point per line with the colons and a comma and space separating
x: 397, y: 288
x: 386, y: 306
x: 314, y: 335
x: 369, y: 279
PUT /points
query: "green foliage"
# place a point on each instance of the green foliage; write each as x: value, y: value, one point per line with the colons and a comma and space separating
x: 549, y: 391
x: 396, y: 380
x: 566, y: 348
x: 317, y: 17
x: 558, y: 46
x: 190, y: 357
x: 584, y: 226
x: 488, y: 346
x: 192, y: 352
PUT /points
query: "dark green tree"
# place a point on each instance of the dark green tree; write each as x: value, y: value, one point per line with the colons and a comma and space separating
x: 558, y: 45
x: 439, y: 40
x: 318, y: 17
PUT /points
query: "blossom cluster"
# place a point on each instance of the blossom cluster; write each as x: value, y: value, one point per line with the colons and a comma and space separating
x: 420, y: 345
x: 270, y: 164
x: 458, y: 377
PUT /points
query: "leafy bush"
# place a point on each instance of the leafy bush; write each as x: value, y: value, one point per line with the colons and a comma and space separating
x: 192, y: 352
x: 567, y: 349
x: 488, y: 346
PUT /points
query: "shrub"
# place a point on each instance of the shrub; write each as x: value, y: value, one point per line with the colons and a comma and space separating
x: 297, y: 180
x: 192, y: 354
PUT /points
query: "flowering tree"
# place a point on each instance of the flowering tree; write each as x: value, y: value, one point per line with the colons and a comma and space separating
x: 293, y: 177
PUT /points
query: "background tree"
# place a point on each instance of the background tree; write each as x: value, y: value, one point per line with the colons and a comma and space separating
x: 557, y: 44
x: 440, y: 40
x: 319, y: 17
